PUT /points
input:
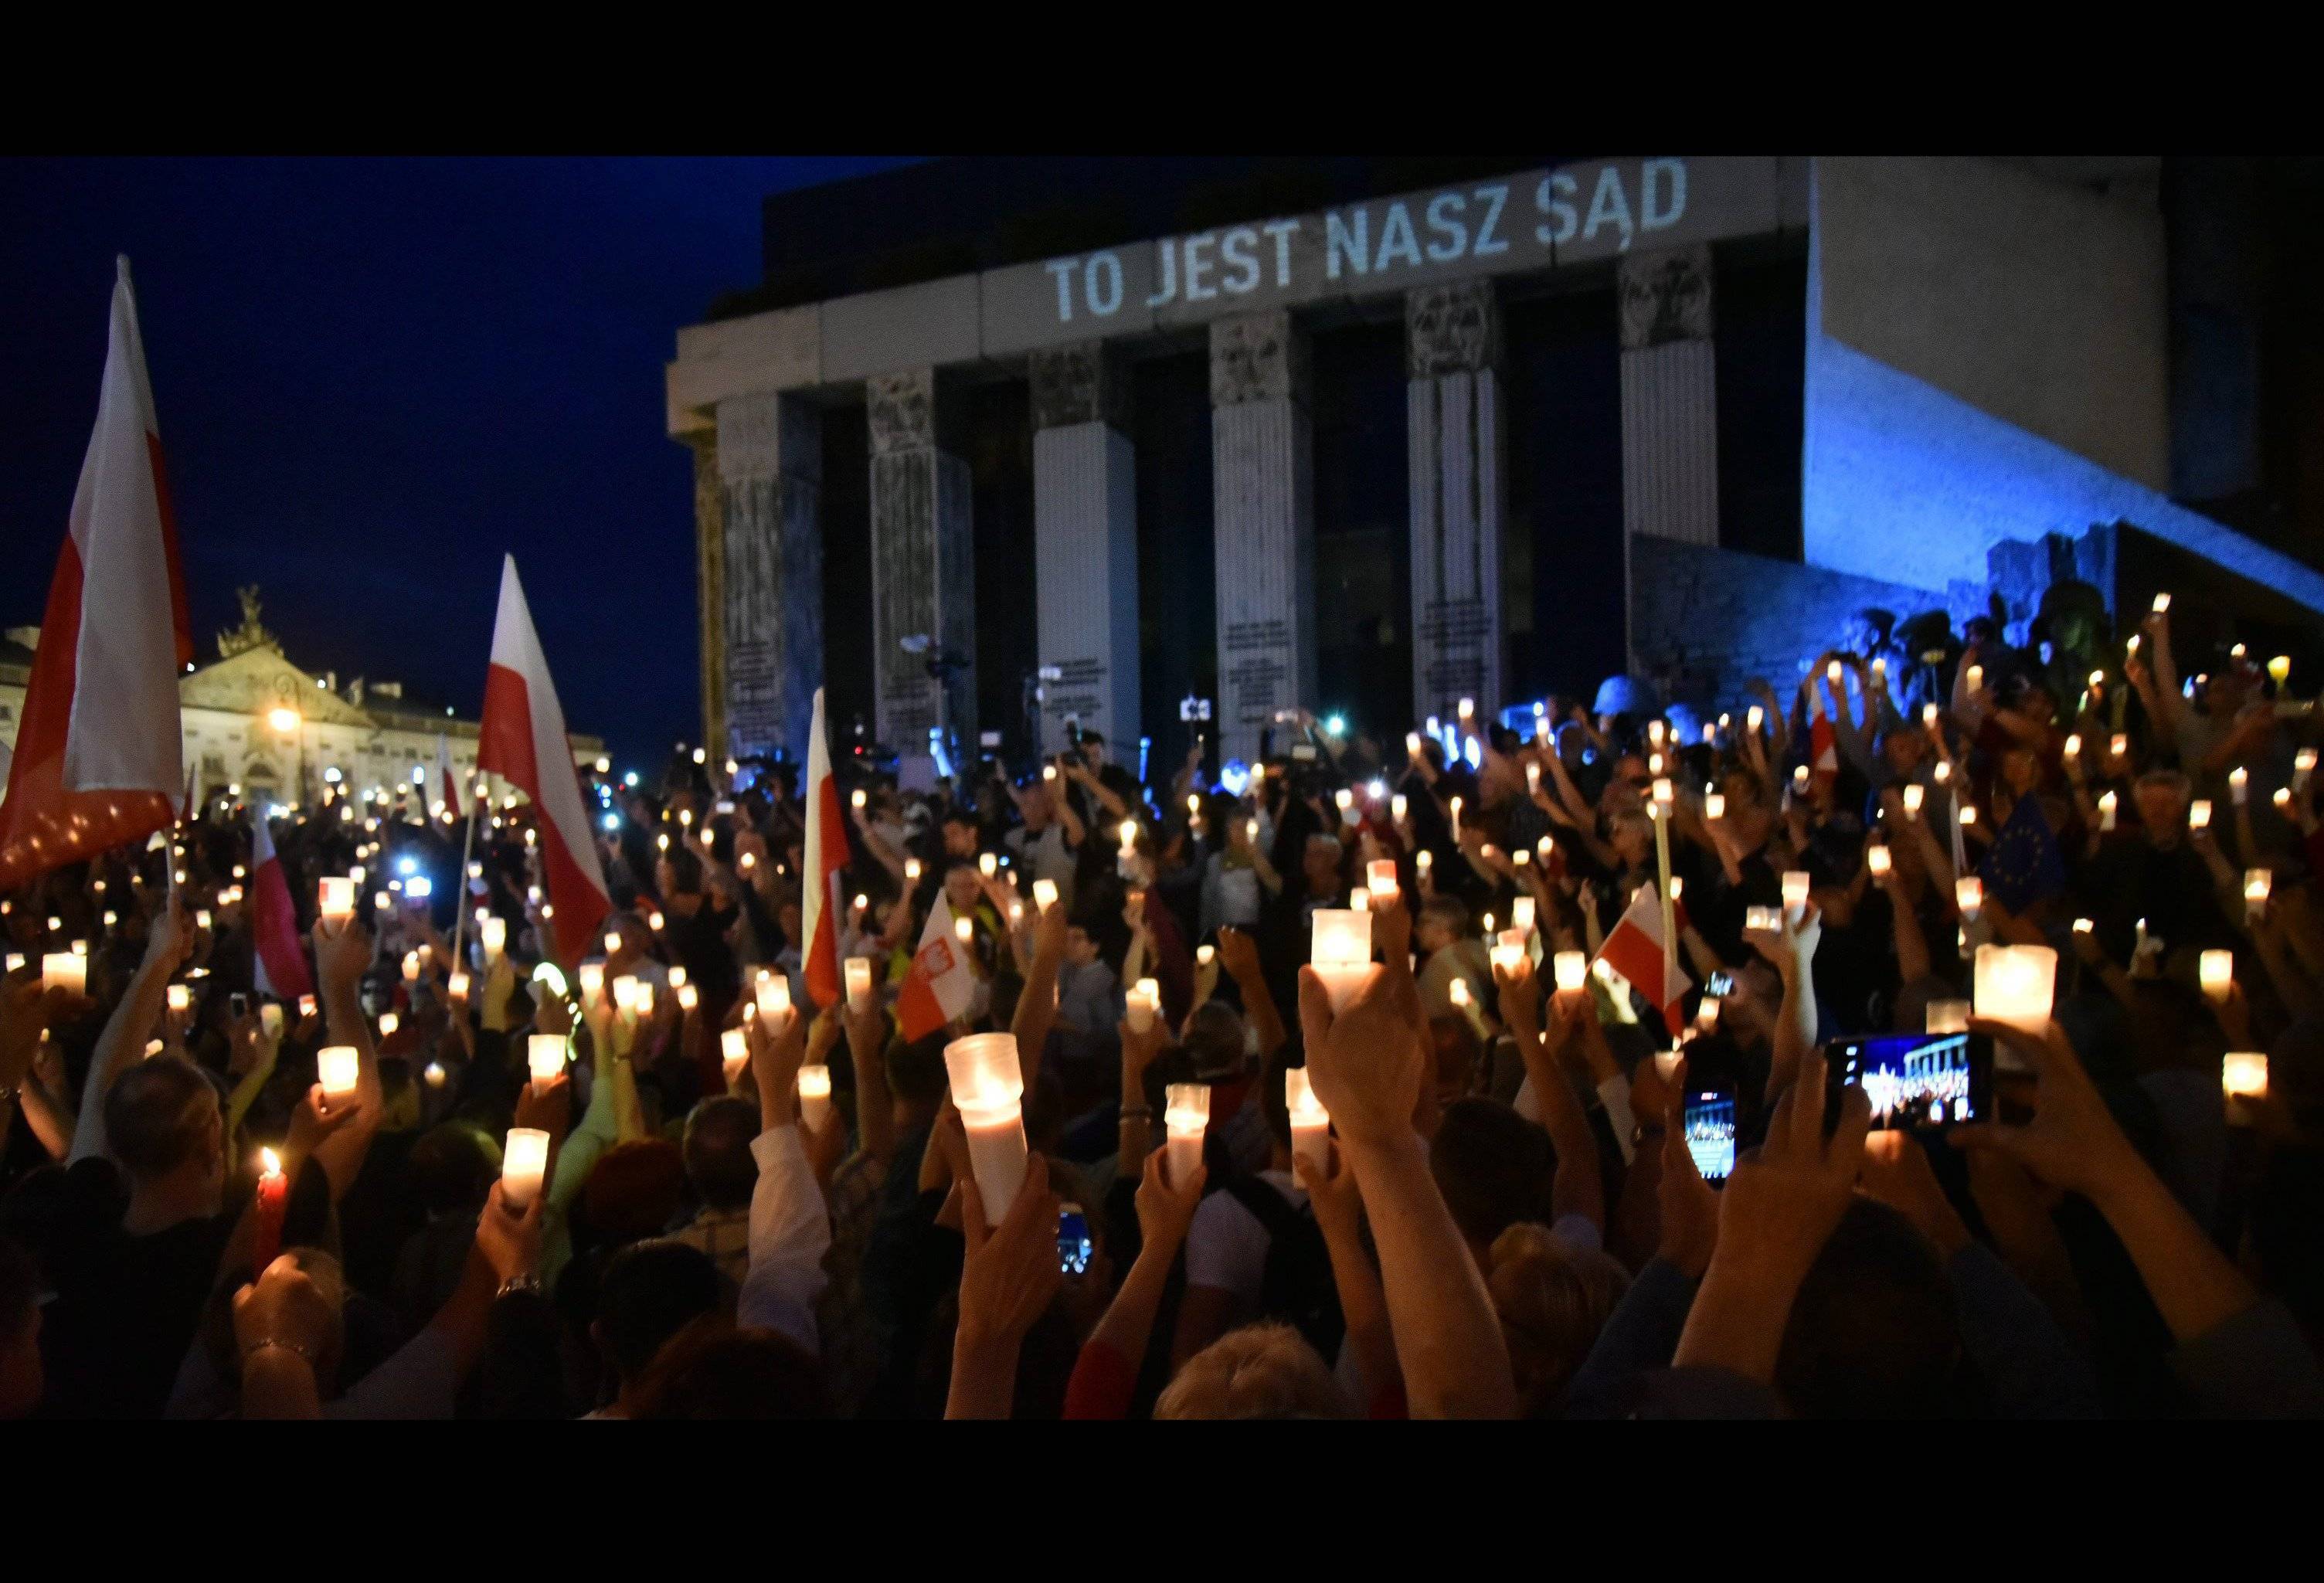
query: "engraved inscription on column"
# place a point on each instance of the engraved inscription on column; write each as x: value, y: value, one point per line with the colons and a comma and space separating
x: 1453, y: 428
x: 769, y: 461
x: 923, y: 566
x: 710, y: 579
x: 1264, y: 506
x: 1670, y: 397
x: 1085, y: 543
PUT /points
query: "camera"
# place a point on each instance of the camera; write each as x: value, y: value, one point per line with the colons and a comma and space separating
x: 1916, y: 1083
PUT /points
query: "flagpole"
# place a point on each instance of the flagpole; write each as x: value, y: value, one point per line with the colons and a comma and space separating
x: 1670, y: 910
x: 460, y: 917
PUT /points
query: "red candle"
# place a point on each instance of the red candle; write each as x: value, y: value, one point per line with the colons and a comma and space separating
x: 274, y: 1197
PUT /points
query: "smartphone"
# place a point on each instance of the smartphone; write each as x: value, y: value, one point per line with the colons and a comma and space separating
x: 1915, y: 1081
x: 1720, y: 984
x: 1710, y: 1132
x: 1073, y: 1245
x: 240, y: 1003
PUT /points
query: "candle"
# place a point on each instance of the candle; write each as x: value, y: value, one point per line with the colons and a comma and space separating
x: 1186, y: 1117
x: 1763, y: 920
x: 773, y: 996
x: 2162, y: 603
x: 1422, y: 861
x: 181, y: 998
x: 1379, y: 882
x: 1398, y: 807
x: 1664, y: 796
x: 1968, y: 815
x: 1947, y: 1017
x: 545, y: 1053
x: 2218, y: 969
x: 1976, y: 678
x: 388, y: 1023
x: 201, y: 917
x: 988, y: 1088
x: 688, y: 998
x: 63, y: 969
x: 734, y: 1052
x: 2303, y: 765
x: 335, y: 898
x: 1968, y: 895
x: 1800, y: 778
x: 1045, y: 893
x: 2013, y: 983
x: 2108, y: 805
x: 1832, y: 673
x: 1753, y: 716
x: 2118, y: 745
x: 458, y: 985
x: 1876, y: 858
x: 2085, y: 926
x: 524, y: 1162
x: 2199, y: 813
x: 1532, y: 778
x: 1570, y: 968
x: 2243, y: 1075
x: 1460, y: 992
x: 1144, y: 999
x: 2139, y: 944
x: 593, y: 979
x: 857, y: 797
x: 1521, y: 914
x: 335, y: 1065
x: 1714, y: 806
x: 1795, y: 891
x: 1456, y: 818
x: 1509, y: 949
x: 2239, y: 786
x: 492, y: 933
x: 273, y: 1198
x: 2280, y: 668
x: 911, y: 870
x: 410, y: 967
x: 814, y: 1096
x: 2074, y: 744
x: 1311, y: 1124
x: 306, y: 1006
x: 964, y: 930
x: 1914, y: 796
x: 626, y: 996
x: 2257, y: 882
x: 1341, y: 950
x: 859, y: 982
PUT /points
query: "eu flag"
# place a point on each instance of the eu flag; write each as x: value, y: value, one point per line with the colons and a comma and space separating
x: 2023, y: 864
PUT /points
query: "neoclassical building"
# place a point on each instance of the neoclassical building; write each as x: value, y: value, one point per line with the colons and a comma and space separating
x: 254, y: 719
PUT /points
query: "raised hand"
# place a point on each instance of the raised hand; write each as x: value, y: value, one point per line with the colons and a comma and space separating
x: 508, y: 1238
x: 1164, y: 1211
x: 1008, y: 1278
x: 1896, y: 1172
x: 1364, y: 1062
x: 2073, y: 1142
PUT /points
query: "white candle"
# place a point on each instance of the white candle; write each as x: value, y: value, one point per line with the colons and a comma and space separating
x: 1754, y: 716
x: 2199, y: 813
x: 1521, y: 914
x: 1204, y: 955
x: 814, y: 1096
x: 593, y: 979
x: 1460, y: 992
x: 1185, y: 1117
x: 2218, y: 969
x: 1379, y: 878
x: 1968, y: 895
x: 1311, y: 1124
x: 457, y: 986
x: 270, y: 1018
x: 2303, y: 765
x: 911, y: 871
x: 524, y: 1162
x: 493, y: 934
x: 1045, y: 893
x: 645, y: 998
x: 1714, y: 806
x: 388, y: 1023
x: 1976, y: 678
x: 545, y: 1053
x: 1422, y: 861
x: 434, y: 1074
x: 1876, y: 858
x: 688, y: 997
x: 734, y: 1052
x: 1572, y: 968
x: 1360, y: 900
x: 2162, y: 603
x: 1144, y: 999
x: 676, y: 978
x: 773, y: 994
x: 1398, y: 807
x: 2257, y: 883
x: 2239, y: 786
x: 1795, y: 891
x: 180, y: 997
x: 1914, y: 794
x: 2108, y: 805
x: 625, y: 995
x: 335, y: 897
x: 2243, y: 1075
x: 2015, y: 983
x: 988, y: 1088
x: 336, y: 1068
x: 1341, y: 950
x: 1947, y: 1017
x: 859, y: 982
x: 410, y: 967
x: 1509, y: 949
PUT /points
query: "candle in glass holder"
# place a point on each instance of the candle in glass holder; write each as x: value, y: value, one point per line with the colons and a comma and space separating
x: 1914, y: 796
x: 2243, y: 1075
x: 410, y: 967
x: 1422, y: 861
x: 2199, y: 813
x: 1509, y: 949
x: 1398, y: 805
x: 2257, y: 883
x: 1311, y: 1124
x: 1045, y: 893
x: 1379, y: 880
x: 625, y: 995
x: 2239, y: 786
x: 180, y: 996
x: 1947, y: 1017
x: 1876, y: 858
x: 1341, y: 950
x: 338, y: 1069
x: 1572, y: 970
x: 273, y: 1198
x: 2303, y: 765
x: 734, y: 1052
x: 772, y: 995
x: 545, y: 1055
x: 2015, y: 983
x: 388, y: 1023
x: 1795, y: 890
x: 493, y: 934
x: 1144, y: 999
x: 1714, y: 806
x: 457, y: 985
x: 524, y: 1162
x: 1204, y: 955
x: 2218, y: 970
x: 859, y: 981
x: 335, y: 898
x: 593, y: 979
x: 814, y: 1096
x: 988, y: 1088
x: 1968, y: 895
x: 1976, y: 678
x: 1185, y: 1117
x: 1521, y: 914
x: 1459, y: 992
x: 2109, y: 806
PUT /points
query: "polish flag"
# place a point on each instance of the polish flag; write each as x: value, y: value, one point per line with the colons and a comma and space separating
x: 277, y: 963
x: 98, y: 760
x: 444, y: 774
x: 1635, y: 950
x: 820, y: 908
x: 1823, y: 742
x: 522, y: 740
x: 939, y: 988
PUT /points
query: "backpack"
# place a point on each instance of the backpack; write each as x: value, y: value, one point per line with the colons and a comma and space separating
x: 1297, y: 1287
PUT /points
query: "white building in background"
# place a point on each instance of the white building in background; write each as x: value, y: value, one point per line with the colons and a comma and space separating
x: 252, y: 719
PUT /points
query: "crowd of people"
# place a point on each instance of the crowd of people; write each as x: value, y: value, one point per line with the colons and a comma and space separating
x: 1455, y: 1180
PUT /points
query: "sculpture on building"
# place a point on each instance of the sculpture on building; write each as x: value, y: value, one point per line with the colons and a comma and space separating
x: 251, y: 634
x: 2073, y: 620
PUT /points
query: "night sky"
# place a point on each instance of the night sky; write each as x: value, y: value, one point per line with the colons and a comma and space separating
x: 375, y: 377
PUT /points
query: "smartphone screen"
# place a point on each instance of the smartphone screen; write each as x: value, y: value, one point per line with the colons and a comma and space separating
x: 1073, y: 1247
x: 1914, y: 1081
x: 1710, y: 1132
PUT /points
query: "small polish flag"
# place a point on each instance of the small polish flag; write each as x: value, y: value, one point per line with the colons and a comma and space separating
x: 277, y: 964
x: 1823, y: 742
x: 97, y: 761
x: 522, y: 740
x: 939, y: 989
x: 1635, y: 950
x: 820, y: 907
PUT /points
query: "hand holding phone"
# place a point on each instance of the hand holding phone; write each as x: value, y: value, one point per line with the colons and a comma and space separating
x: 1073, y: 1244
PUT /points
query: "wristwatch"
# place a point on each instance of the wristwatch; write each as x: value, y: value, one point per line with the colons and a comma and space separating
x: 518, y: 1283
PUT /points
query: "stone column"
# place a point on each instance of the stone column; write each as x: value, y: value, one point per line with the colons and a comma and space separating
x: 1262, y: 451
x: 1453, y: 407
x: 1085, y: 546
x: 1670, y: 397
x: 769, y: 455
x: 710, y: 581
x: 923, y: 574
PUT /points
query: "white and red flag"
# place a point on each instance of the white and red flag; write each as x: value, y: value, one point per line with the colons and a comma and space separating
x: 940, y: 988
x: 277, y: 963
x: 98, y: 760
x: 522, y: 740
x: 1635, y: 950
x: 450, y: 783
x: 1823, y: 742
x: 820, y: 908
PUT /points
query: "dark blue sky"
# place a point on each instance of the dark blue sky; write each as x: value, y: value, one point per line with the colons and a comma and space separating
x: 373, y: 376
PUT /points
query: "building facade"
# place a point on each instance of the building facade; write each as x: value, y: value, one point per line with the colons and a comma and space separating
x: 257, y: 726
x: 1652, y: 407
